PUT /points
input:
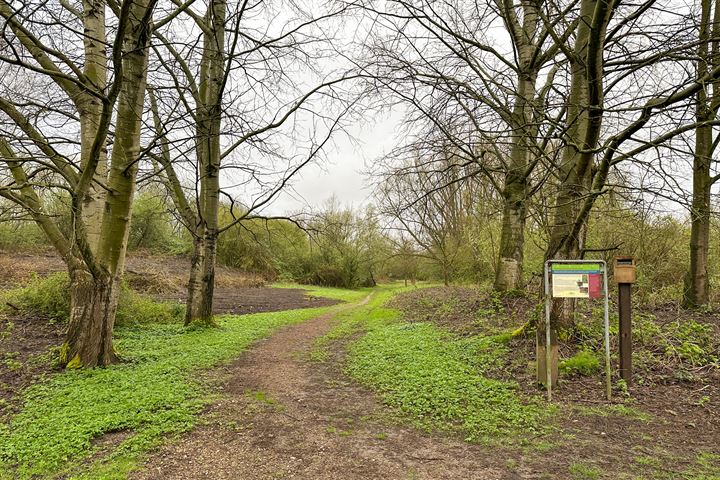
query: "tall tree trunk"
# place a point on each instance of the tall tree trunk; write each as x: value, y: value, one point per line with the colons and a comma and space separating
x: 93, y: 304
x: 697, y: 285
x: 95, y: 70
x: 509, y: 274
x: 94, y: 291
x: 209, y: 119
x: 583, y: 123
x: 194, y: 295
x: 205, y: 313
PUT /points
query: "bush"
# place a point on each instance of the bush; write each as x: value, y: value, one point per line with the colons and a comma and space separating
x: 44, y: 295
x: 48, y: 296
x: 20, y: 235
x: 135, y: 308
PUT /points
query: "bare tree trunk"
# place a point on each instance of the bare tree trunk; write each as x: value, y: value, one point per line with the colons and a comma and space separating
x: 94, y: 292
x: 509, y: 275
x: 95, y: 70
x: 697, y: 285
x: 205, y: 312
x: 212, y: 72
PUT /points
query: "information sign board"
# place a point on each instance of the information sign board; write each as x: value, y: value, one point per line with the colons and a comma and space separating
x: 576, y: 280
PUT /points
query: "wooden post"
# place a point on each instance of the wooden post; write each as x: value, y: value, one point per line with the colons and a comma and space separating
x: 625, y: 275
x: 624, y: 304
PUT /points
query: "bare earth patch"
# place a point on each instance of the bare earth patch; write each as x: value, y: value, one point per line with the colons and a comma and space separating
x: 24, y: 340
x: 283, y: 416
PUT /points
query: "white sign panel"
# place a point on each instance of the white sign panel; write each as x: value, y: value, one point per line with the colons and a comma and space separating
x: 570, y: 285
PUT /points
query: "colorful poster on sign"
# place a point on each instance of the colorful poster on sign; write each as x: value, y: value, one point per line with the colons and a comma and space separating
x: 570, y: 285
x: 573, y: 280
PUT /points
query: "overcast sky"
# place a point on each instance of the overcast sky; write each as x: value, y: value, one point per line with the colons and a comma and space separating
x: 342, y: 175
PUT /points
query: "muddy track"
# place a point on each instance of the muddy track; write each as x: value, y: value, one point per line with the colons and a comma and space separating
x: 283, y: 416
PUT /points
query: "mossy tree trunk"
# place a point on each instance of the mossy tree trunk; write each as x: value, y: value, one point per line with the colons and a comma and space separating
x: 193, y: 301
x: 93, y: 304
x: 209, y: 119
x: 95, y: 254
x: 697, y: 282
x: 91, y: 109
x: 94, y: 290
x: 523, y: 122
x: 509, y: 275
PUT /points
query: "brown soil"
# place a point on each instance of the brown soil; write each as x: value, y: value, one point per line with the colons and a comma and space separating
x: 240, y: 301
x: 25, y: 343
x: 283, y: 416
x: 144, y: 271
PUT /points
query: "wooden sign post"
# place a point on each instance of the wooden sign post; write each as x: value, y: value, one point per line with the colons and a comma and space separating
x: 624, y: 273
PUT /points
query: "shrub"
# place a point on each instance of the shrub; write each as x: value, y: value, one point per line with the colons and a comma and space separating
x: 48, y: 296
x: 18, y: 235
x: 151, y: 226
x: 44, y: 295
x: 135, y: 308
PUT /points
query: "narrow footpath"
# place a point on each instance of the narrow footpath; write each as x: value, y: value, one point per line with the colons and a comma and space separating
x: 283, y: 416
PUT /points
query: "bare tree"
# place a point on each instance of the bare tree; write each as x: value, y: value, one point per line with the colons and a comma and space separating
x: 79, y: 70
x: 435, y: 218
x: 697, y: 283
x: 482, y: 90
x: 238, y: 90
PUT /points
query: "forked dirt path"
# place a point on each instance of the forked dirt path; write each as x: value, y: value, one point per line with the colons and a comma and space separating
x: 284, y: 416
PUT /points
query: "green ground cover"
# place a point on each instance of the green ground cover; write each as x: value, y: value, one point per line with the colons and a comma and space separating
x: 329, y: 292
x: 432, y: 377
x: 147, y: 398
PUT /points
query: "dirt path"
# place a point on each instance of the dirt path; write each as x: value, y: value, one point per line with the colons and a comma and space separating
x: 283, y: 416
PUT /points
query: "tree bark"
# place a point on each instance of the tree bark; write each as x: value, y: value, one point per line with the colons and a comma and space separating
x: 90, y: 107
x: 205, y: 314
x: 93, y: 304
x: 209, y: 119
x: 192, y: 309
x: 697, y: 286
x: 509, y: 274
x: 94, y: 291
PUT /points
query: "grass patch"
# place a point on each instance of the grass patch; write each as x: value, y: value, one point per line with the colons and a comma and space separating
x: 372, y: 314
x: 584, y: 363
x: 703, y: 466
x: 584, y: 472
x: 421, y: 370
x: 150, y: 398
x: 432, y: 376
x: 342, y: 294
